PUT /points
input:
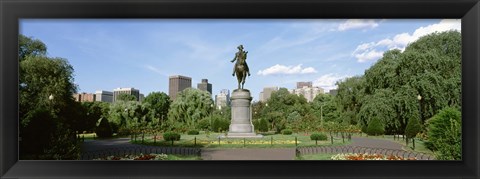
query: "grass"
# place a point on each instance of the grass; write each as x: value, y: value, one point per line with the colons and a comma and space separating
x: 320, y: 156
x: 183, y: 157
x: 212, y: 141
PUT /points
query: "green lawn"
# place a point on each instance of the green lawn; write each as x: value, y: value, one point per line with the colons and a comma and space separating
x: 212, y: 141
x: 320, y: 156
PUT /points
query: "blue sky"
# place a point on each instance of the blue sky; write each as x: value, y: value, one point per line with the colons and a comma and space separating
x: 141, y: 53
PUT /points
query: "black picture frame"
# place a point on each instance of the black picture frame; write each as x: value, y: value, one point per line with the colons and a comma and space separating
x: 13, y: 10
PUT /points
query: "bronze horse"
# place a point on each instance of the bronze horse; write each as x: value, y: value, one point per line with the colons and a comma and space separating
x: 241, y: 67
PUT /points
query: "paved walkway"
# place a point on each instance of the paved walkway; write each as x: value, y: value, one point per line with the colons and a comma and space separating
x: 249, y: 154
x: 242, y: 154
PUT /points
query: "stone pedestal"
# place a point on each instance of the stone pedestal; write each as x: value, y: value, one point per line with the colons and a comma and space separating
x: 241, y: 123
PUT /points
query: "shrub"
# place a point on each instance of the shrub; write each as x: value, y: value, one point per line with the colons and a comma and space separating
x: 171, y: 136
x: 375, y: 127
x: 318, y: 136
x: 104, y: 129
x: 444, y: 134
x: 220, y: 124
x: 287, y: 132
x: 413, y: 128
x: 263, y: 125
x: 193, y: 132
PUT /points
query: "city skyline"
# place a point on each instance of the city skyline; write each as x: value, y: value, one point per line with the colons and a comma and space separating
x: 144, y: 53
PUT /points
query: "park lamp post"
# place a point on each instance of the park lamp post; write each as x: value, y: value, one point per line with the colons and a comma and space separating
x: 420, y: 116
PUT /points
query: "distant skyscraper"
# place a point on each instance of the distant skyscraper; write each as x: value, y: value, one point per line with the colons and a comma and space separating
x: 142, y: 97
x: 178, y: 83
x: 222, y: 99
x: 205, y: 86
x: 84, y: 97
x: 302, y: 84
x: 130, y: 91
x: 104, y: 96
x: 267, y: 92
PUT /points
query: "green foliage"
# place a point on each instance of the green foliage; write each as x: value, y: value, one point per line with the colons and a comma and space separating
x: 193, y: 132
x: 413, y: 128
x: 287, y: 132
x: 380, y: 105
x: 220, y: 124
x: 318, y: 136
x: 190, y: 106
x: 171, y: 136
x: 262, y: 125
x: 30, y: 47
x: 126, y: 97
x: 103, y: 129
x: 45, y: 100
x: 93, y: 111
x: 159, y: 104
x: 444, y: 134
x: 375, y: 127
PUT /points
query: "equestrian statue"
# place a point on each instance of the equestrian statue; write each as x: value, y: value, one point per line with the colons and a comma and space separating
x: 241, y: 67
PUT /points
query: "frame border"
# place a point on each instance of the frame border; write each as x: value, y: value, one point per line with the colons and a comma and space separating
x: 13, y: 10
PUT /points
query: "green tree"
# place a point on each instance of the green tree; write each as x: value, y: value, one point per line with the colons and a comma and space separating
x: 30, y: 47
x: 94, y: 111
x: 159, y: 103
x: 126, y: 97
x: 103, y: 129
x: 45, y: 100
x: 190, y: 106
x: 375, y: 127
x: 444, y: 134
x: 413, y: 128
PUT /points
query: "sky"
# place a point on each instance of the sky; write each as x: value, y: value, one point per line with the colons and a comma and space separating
x: 142, y: 53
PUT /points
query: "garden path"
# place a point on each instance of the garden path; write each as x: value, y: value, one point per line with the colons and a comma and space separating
x: 242, y: 154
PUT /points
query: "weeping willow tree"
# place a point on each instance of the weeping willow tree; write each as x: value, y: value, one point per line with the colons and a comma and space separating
x: 190, y: 106
x: 414, y: 84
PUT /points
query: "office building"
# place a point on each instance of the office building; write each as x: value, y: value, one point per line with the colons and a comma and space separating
x: 178, y: 83
x: 267, y: 92
x: 222, y: 99
x: 84, y: 97
x: 308, y: 92
x: 104, y: 96
x: 302, y: 84
x: 205, y: 86
x: 130, y: 91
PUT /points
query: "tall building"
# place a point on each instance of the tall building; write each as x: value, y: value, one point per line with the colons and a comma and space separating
x: 178, y: 83
x: 104, y: 96
x: 302, y: 84
x: 308, y: 92
x: 267, y: 92
x: 205, y: 86
x: 222, y: 99
x: 130, y: 91
x: 84, y: 97
x: 142, y: 97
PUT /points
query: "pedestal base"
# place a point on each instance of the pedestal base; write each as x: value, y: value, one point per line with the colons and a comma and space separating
x: 241, y: 135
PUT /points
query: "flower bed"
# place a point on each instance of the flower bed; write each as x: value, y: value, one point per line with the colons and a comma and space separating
x: 137, y: 157
x: 366, y: 156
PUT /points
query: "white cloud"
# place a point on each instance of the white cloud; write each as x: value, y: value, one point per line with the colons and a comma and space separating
x: 357, y: 24
x: 327, y: 82
x: 289, y: 70
x: 374, y: 50
x: 156, y: 70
